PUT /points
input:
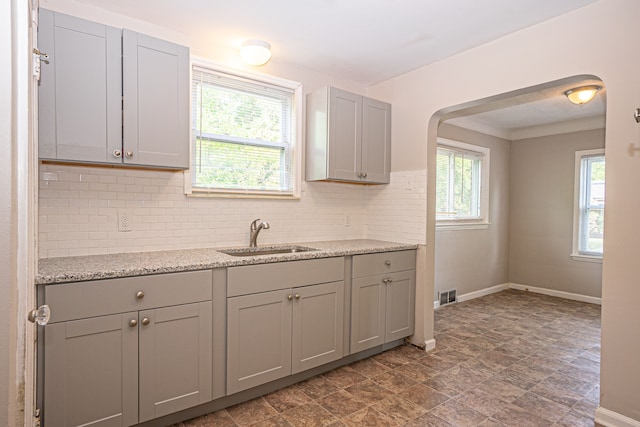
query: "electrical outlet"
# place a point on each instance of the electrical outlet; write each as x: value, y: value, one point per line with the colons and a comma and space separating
x: 124, y: 222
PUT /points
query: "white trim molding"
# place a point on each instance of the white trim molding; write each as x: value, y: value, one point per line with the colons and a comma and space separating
x: 430, y: 344
x: 551, y: 292
x: 609, y: 418
x: 482, y: 292
x: 555, y: 293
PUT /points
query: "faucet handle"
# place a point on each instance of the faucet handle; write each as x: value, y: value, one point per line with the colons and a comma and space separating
x: 254, y: 224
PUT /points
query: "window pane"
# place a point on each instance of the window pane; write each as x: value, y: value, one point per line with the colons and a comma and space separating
x: 595, y: 231
x: 242, y: 132
x: 237, y: 166
x: 457, y: 183
x: 592, y: 193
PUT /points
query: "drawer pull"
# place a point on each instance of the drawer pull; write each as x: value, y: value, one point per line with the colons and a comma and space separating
x: 133, y: 323
x: 387, y: 262
x: 146, y: 321
x: 140, y: 295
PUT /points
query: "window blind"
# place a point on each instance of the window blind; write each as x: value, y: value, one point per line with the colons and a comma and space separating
x: 242, y: 134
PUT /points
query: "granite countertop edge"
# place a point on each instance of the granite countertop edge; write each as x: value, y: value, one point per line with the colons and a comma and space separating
x: 110, y: 266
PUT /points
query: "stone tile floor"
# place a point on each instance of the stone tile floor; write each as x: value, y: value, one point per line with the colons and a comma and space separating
x: 508, y: 359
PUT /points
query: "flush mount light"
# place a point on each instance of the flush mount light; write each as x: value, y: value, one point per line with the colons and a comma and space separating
x: 255, y: 52
x: 583, y: 94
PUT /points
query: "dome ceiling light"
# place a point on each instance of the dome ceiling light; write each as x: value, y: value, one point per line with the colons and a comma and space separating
x: 583, y: 94
x: 255, y: 52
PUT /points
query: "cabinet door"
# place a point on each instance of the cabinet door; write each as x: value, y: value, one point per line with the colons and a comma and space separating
x: 317, y: 325
x: 156, y: 101
x: 258, y: 339
x: 345, y: 138
x: 91, y: 372
x: 400, y: 305
x: 376, y: 141
x: 175, y: 358
x: 80, y: 115
x: 367, y: 312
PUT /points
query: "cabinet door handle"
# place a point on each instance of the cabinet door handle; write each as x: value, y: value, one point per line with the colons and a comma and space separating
x: 117, y: 153
x: 387, y: 262
x: 146, y: 321
x: 133, y: 323
x: 290, y: 297
x: 129, y: 154
x: 389, y: 280
x: 297, y: 296
x: 364, y: 175
x: 139, y: 294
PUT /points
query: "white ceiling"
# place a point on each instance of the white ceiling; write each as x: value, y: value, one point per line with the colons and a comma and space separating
x: 539, y: 113
x: 365, y: 41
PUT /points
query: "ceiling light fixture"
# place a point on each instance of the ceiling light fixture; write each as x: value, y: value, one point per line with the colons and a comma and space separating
x: 583, y: 94
x: 255, y: 52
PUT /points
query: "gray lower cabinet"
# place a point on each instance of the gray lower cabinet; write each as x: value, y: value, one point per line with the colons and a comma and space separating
x: 174, y: 359
x: 111, y: 96
x: 91, y: 372
x: 287, y: 330
x: 152, y: 358
x: 382, y: 304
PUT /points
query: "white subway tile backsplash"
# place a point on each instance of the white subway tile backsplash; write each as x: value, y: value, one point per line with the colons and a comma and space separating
x: 79, y: 212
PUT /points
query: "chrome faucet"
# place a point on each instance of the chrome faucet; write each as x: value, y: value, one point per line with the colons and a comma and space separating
x: 255, y: 230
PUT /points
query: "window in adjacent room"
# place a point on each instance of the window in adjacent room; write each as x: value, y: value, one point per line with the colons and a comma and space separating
x: 462, y: 185
x: 588, y: 227
x: 244, y: 135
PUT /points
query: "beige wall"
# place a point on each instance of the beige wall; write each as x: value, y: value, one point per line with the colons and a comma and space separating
x: 553, y: 50
x: 541, y: 209
x: 471, y: 260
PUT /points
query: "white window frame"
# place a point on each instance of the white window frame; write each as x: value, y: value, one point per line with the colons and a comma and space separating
x: 578, y: 198
x: 485, y: 166
x: 296, y: 132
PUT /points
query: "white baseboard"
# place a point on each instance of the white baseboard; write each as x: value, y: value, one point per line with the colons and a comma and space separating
x: 554, y: 293
x: 429, y: 344
x: 613, y: 419
x: 544, y: 291
x: 482, y: 292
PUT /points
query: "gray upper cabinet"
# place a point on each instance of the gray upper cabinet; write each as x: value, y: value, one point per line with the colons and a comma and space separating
x: 94, y: 72
x: 155, y: 101
x: 79, y: 101
x: 348, y: 137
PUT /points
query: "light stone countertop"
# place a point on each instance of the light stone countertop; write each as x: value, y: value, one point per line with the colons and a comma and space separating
x: 94, y: 267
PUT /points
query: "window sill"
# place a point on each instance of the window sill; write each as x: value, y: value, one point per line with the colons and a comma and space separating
x: 462, y: 226
x: 586, y: 258
x: 248, y: 195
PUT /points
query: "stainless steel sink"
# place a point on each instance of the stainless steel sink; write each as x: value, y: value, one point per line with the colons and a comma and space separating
x: 266, y: 250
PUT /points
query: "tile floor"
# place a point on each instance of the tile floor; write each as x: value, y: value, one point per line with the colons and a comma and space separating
x: 508, y: 359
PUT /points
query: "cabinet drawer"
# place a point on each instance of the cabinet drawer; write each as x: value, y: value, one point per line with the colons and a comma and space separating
x: 384, y: 262
x: 101, y: 297
x: 252, y: 279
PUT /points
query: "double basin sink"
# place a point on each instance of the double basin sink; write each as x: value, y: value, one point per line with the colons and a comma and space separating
x: 267, y: 250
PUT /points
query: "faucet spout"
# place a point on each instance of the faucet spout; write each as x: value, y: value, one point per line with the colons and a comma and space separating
x: 254, y: 230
